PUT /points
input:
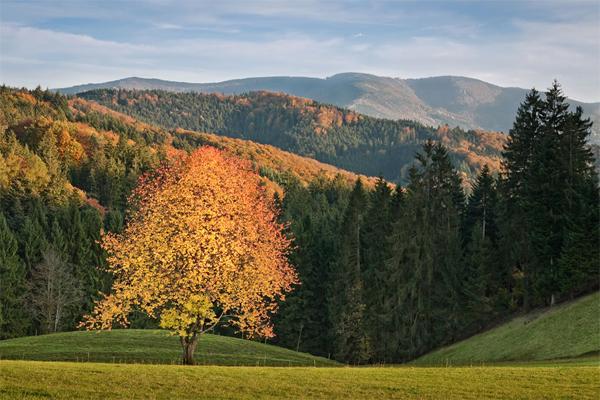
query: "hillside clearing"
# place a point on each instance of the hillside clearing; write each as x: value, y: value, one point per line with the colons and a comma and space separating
x: 569, y: 330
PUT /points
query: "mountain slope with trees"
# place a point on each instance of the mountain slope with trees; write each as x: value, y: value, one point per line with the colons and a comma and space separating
x: 333, y: 135
x: 66, y: 171
x: 453, y: 100
x: 413, y: 269
x: 387, y: 273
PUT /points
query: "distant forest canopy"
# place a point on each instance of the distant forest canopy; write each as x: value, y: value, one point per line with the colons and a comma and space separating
x: 330, y: 134
x: 387, y: 273
x: 453, y: 100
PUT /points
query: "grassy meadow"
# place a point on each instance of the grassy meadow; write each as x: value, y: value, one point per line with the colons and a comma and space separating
x: 64, y: 380
x: 151, y: 347
x: 143, y: 364
x: 566, y: 331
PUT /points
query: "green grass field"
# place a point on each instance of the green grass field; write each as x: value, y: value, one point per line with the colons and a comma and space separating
x: 62, y: 380
x: 151, y: 347
x: 568, y: 331
x: 554, y: 353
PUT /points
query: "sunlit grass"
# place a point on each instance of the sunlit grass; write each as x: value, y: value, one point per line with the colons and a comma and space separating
x: 33, y: 380
x: 150, y: 347
x: 566, y: 331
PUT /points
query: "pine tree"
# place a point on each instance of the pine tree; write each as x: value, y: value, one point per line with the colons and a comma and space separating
x: 80, y: 248
x: 545, y: 201
x: 579, y: 263
x: 550, y: 198
x: 313, y: 214
x: 33, y: 241
x: 409, y: 273
x: 426, y: 263
x: 482, y: 207
x: 13, y: 318
x: 479, y: 286
x: 487, y: 278
x: 516, y: 243
x: 351, y: 343
x: 378, y: 222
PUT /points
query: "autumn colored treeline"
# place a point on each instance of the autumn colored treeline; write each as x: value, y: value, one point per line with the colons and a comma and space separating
x: 387, y: 273
x: 327, y: 133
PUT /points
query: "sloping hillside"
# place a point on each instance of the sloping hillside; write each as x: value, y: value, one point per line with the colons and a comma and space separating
x: 274, y: 164
x: 151, y: 346
x: 566, y: 331
x: 454, y: 100
x: 333, y: 135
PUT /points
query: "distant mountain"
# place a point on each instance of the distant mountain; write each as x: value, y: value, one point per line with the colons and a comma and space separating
x: 456, y: 101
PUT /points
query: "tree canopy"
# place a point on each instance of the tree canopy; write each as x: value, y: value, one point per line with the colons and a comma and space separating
x: 202, y: 246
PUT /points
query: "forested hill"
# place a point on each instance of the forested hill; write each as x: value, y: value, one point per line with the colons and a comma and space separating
x: 453, y: 100
x: 66, y: 171
x: 274, y: 165
x: 90, y: 138
x: 387, y: 274
x: 330, y: 134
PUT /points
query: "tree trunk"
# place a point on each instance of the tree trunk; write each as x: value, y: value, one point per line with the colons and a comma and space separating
x: 299, y: 337
x: 189, y: 347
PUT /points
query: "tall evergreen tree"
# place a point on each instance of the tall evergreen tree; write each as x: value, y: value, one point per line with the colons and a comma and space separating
x: 33, y: 241
x: 13, y: 318
x: 550, y: 195
x: 487, y: 280
x: 482, y: 207
x: 426, y: 263
x: 377, y: 227
x: 516, y: 242
x: 314, y: 215
x: 347, y: 310
x: 579, y: 263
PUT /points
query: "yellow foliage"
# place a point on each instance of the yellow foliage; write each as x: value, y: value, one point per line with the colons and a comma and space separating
x: 202, y: 230
x: 182, y: 318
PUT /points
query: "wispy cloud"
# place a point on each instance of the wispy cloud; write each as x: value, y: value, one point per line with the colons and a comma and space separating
x: 166, y: 25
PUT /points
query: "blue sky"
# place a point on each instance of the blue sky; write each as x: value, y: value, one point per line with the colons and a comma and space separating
x: 510, y: 43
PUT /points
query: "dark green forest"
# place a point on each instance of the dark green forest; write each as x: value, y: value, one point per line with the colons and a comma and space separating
x: 387, y: 273
x: 330, y: 134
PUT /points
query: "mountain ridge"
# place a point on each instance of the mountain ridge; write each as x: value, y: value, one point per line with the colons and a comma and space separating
x: 453, y: 100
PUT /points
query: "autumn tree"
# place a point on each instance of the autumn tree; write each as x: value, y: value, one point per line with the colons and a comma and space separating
x: 202, y: 246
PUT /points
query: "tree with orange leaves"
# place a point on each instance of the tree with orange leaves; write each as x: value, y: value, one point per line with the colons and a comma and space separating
x: 202, y: 247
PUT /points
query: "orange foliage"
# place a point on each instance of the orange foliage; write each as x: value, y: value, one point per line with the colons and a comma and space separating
x: 267, y: 156
x: 28, y: 97
x: 202, y: 244
x: 324, y: 116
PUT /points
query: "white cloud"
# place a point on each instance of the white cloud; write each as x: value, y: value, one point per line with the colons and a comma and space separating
x: 530, y: 53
